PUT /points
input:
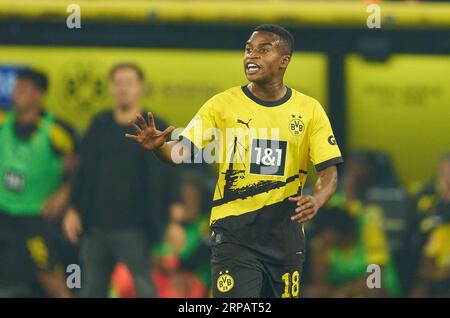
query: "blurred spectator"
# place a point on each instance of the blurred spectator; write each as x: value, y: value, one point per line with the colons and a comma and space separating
x: 365, y: 170
x: 370, y: 180
x: 37, y: 159
x: 107, y: 210
x: 182, y: 259
x: 341, y: 251
x: 433, y: 206
x: 349, y: 234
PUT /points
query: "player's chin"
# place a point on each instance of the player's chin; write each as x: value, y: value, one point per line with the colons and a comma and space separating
x: 255, y: 78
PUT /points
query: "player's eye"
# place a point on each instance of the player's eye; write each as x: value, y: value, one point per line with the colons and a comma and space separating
x: 263, y: 50
x: 248, y: 50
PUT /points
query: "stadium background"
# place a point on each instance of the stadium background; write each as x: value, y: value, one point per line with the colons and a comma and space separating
x: 385, y: 90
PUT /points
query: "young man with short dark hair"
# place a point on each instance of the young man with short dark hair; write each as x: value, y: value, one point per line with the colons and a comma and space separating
x: 258, y: 206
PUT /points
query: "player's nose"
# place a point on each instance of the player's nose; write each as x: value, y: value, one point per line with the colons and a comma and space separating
x: 253, y: 55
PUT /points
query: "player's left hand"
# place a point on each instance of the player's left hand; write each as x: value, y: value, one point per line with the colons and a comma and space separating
x: 307, y: 207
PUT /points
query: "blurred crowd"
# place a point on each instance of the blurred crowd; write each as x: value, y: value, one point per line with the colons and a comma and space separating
x: 138, y: 228
x: 372, y: 219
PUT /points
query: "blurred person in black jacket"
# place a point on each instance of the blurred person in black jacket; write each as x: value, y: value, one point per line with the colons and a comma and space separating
x: 108, y: 211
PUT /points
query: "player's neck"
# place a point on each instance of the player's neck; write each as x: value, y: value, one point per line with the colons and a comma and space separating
x: 28, y: 116
x: 270, y: 91
x: 123, y: 114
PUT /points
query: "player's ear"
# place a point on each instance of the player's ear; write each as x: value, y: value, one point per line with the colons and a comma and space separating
x: 285, y: 61
x: 38, y: 95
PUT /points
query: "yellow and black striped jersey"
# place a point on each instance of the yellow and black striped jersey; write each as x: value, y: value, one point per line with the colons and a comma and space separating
x: 263, y: 150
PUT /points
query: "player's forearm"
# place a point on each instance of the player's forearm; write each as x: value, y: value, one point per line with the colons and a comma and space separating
x: 63, y: 191
x: 172, y: 152
x: 326, y: 185
x: 164, y: 153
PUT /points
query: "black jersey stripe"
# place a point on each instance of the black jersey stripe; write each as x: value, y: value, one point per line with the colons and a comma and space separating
x: 328, y: 163
x: 231, y: 194
x: 268, y: 231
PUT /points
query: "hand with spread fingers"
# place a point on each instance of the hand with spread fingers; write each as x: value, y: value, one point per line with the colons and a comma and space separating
x: 147, y: 135
x: 307, y: 208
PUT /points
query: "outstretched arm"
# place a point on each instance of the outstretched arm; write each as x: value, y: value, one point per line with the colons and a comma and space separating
x: 309, y: 205
x: 152, y: 139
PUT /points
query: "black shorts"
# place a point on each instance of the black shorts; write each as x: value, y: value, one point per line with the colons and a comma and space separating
x: 27, y: 245
x: 238, y: 272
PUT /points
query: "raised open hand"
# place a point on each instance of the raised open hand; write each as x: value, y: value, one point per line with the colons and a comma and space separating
x: 147, y: 135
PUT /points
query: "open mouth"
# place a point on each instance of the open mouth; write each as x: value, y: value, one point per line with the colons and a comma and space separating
x: 252, y: 68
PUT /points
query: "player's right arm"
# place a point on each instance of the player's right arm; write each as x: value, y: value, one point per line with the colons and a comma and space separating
x: 152, y: 139
x: 199, y: 132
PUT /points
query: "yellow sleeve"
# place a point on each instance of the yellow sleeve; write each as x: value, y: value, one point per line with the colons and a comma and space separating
x: 62, y: 140
x: 323, y: 148
x: 201, y: 129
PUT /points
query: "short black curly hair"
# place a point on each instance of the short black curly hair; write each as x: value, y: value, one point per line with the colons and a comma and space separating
x: 39, y: 79
x: 284, y: 34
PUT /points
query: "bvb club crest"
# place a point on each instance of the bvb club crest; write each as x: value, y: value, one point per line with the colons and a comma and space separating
x: 296, y: 126
x: 225, y: 282
x: 83, y: 87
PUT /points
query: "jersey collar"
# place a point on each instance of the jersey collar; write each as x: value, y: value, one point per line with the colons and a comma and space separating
x: 261, y: 102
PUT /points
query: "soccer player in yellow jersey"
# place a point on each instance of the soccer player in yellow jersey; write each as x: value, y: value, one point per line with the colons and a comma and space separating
x: 262, y: 134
